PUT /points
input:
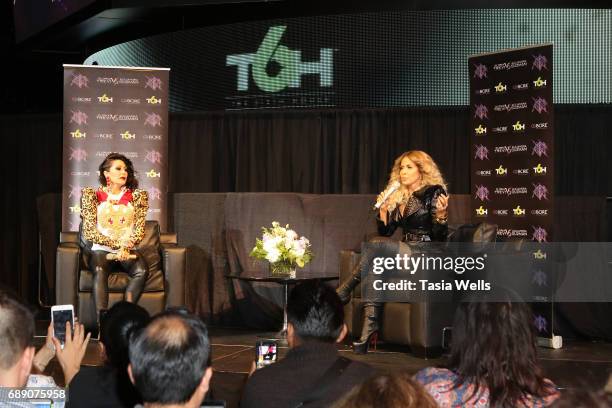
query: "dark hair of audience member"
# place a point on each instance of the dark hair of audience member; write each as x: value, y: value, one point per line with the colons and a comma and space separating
x: 393, y: 390
x: 16, y: 328
x: 494, y: 344
x: 169, y: 357
x: 315, y: 311
x: 116, y: 326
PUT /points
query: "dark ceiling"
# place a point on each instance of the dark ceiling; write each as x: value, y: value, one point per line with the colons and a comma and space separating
x: 35, y: 65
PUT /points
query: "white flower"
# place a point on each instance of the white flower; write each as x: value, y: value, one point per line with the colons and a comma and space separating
x: 292, y: 235
x: 272, y: 255
x: 299, y: 248
x: 271, y: 244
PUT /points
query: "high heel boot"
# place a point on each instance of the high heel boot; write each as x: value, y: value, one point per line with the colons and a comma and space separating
x: 345, y: 289
x: 370, y: 329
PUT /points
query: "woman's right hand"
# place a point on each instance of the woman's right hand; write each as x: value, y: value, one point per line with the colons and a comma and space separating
x: 123, y: 254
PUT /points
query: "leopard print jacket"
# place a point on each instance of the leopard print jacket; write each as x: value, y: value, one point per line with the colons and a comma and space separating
x: 89, y: 215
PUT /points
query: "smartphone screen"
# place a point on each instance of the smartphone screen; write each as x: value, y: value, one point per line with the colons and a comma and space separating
x: 60, y: 317
x: 265, y: 353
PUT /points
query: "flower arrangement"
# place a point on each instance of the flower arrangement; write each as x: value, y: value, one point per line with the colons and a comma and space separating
x: 283, y: 249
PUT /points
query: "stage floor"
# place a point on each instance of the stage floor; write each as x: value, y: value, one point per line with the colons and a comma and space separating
x: 579, y: 364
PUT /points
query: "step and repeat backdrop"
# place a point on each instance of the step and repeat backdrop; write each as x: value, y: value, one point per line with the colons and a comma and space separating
x: 113, y: 109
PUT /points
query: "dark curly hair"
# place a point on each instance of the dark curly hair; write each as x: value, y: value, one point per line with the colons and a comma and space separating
x: 131, y: 181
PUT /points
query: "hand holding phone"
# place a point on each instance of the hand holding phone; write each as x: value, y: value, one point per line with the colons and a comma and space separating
x: 60, y: 314
x: 266, y: 353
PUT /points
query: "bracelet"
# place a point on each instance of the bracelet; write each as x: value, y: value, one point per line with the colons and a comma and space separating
x: 441, y: 220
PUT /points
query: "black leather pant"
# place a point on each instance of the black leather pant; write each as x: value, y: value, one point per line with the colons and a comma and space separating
x: 100, y: 266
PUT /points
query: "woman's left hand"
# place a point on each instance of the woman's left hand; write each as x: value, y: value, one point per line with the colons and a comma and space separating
x: 442, y: 206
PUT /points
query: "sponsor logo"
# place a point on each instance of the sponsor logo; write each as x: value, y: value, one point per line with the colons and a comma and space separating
x: 81, y: 99
x: 539, y: 212
x: 539, y: 169
x: 152, y: 137
x: 539, y: 254
x: 509, y: 107
x: 539, y: 191
x: 117, y: 81
x: 482, y: 152
x: 152, y: 173
x: 127, y: 135
x: 103, y: 135
x: 518, y: 211
x: 153, y: 120
x: 539, y: 105
x: 539, y: 126
x: 78, y: 117
x: 77, y: 155
x: 521, y: 87
x: 518, y: 126
x: 75, y: 191
x: 510, y: 65
x: 129, y: 155
x: 154, y: 83
x: 480, y: 71
x: 75, y: 209
x: 540, y: 323
x: 509, y: 149
x: 480, y: 130
x: 510, y: 191
x: 80, y: 81
x: 153, y: 156
x: 506, y: 232
x: 482, y: 193
x: 483, y: 91
x: 500, y: 212
x: 154, y: 210
x: 481, y: 212
x: 289, y: 63
x: 154, y: 100
x: 131, y: 101
x: 116, y: 118
x: 499, y: 88
x: 521, y: 172
x: 539, y: 83
x: 80, y: 173
x: 539, y: 149
x: 501, y: 171
x: 539, y: 234
x: 154, y: 194
x: 481, y: 111
x: 500, y: 129
x: 105, y: 99
x: 483, y: 173
x: 77, y: 134
x: 539, y: 278
x: 540, y: 62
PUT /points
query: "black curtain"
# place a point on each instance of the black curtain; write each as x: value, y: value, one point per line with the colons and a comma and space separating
x: 326, y: 151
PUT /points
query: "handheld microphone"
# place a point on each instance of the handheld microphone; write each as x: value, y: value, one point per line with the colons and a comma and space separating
x: 113, y: 257
x: 392, y: 189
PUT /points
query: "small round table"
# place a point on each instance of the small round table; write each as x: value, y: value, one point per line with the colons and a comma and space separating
x: 285, y: 281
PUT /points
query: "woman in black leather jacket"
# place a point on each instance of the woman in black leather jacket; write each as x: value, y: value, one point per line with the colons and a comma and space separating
x: 415, y: 199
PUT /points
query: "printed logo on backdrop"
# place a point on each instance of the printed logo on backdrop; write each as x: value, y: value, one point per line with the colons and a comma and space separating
x: 275, y: 68
x: 80, y: 81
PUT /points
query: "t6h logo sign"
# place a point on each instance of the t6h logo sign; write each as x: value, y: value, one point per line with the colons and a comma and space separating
x: 289, y: 63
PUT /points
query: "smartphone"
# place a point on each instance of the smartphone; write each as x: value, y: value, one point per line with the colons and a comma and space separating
x: 60, y: 314
x: 266, y: 352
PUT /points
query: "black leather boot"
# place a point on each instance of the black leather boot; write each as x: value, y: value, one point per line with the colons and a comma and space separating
x: 370, y: 328
x: 344, y: 291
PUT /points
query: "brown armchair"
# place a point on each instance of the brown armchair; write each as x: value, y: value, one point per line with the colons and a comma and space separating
x: 165, y: 284
x: 419, y: 325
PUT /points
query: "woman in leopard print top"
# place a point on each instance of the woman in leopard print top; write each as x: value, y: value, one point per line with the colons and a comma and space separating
x: 113, y: 220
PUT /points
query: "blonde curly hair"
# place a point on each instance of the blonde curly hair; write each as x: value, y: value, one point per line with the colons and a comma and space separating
x: 430, y: 174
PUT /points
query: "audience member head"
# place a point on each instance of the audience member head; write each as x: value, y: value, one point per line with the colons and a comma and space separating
x: 116, y: 326
x: 394, y: 390
x: 169, y: 360
x: 314, y: 312
x: 16, y: 335
x: 494, y: 344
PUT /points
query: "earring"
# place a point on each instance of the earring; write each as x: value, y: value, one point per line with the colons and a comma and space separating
x: 108, y: 183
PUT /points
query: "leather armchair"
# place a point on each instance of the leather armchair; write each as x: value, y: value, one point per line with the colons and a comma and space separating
x: 419, y: 325
x: 165, y: 286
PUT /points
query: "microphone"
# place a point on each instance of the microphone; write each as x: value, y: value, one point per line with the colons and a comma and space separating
x: 113, y: 257
x: 392, y: 189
